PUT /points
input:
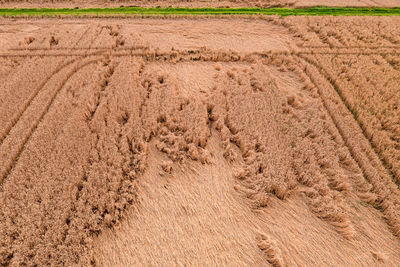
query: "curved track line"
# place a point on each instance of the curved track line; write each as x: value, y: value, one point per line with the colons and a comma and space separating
x: 41, y: 86
x: 82, y: 36
x: 373, y: 173
x: 31, y: 98
x: 93, y: 39
x: 32, y: 130
x: 324, y: 73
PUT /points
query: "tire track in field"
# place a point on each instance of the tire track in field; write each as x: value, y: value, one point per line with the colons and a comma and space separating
x: 31, y: 98
x: 186, y: 55
x: 369, y: 162
x: 60, y: 68
x: 84, y: 34
x: 96, y: 35
x: 14, y: 121
x: 6, y: 169
x: 88, y: 33
x: 135, y: 47
x: 324, y: 73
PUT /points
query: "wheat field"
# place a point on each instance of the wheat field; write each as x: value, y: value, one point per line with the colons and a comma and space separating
x: 166, y: 141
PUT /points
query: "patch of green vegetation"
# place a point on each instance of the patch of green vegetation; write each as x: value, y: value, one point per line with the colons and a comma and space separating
x: 311, y: 11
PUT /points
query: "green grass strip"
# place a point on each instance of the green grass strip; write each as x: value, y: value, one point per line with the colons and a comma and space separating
x: 312, y: 11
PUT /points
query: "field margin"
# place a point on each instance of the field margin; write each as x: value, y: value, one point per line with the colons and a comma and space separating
x: 311, y: 11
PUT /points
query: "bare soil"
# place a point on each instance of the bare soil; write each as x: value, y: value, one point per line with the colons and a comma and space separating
x: 170, y: 142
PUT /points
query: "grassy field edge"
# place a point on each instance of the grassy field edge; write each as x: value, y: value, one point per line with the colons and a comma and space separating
x: 311, y: 11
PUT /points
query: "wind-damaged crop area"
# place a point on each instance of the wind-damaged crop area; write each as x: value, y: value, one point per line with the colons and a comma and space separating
x: 362, y: 64
x: 248, y: 147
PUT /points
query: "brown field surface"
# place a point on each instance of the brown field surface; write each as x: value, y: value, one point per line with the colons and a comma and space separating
x: 363, y: 64
x: 195, y: 3
x: 164, y: 142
